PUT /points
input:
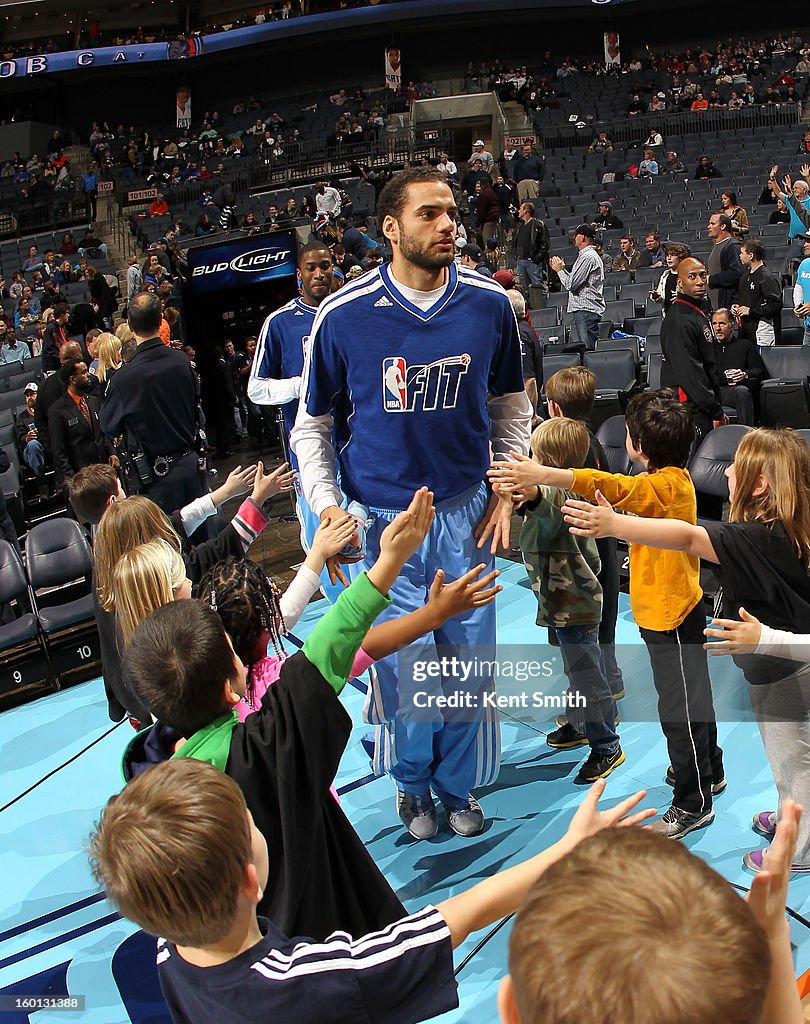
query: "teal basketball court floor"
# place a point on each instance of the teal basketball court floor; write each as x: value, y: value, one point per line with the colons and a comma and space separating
x: 60, y: 762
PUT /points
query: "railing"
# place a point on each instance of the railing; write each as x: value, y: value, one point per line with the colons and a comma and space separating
x: 632, y: 131
x: 59, y: 210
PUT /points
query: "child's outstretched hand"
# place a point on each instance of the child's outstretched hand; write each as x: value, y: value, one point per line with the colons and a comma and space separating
x: 238, y: 481
x: 401, y: 538
x: 266, y: 485
x: 586, y: 520
x: 523, y: 474
x: 734, y: 637
x: 330, y: 537
x: 472, y: 590
x: 588, y: 820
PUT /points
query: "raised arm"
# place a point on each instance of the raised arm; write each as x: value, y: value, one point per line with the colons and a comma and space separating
x: 586, y: 520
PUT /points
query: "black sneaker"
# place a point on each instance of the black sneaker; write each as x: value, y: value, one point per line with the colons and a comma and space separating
x: 418, y: 814
x: 676, y: 823
x: 599, y: 765
x: 717, y: 787
x: 566, y: 737
x: 562, y: 720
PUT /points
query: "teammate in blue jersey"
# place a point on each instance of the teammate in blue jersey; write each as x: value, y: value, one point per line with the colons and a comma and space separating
x: 275, y: 377
x: 801, y: 291
x: 413, y: 371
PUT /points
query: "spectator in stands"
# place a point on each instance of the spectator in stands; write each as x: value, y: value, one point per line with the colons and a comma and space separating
x: 740, y: 368
x: 75, y: 434
x: 227, y: 217
x: 12, y: 349
x: 601, y: 144
x: 482, y: 154
x: 487, y: 211
x: 31, y: 448
x: 352, y: 239
x: 104, y: 301
x: 606, y: 219
x: 33, y: 299
x: 24, y: 319
x: 658, y: 104
x: 158, y: 207
x: 758, y: 308
x: 134, y: 277
x: 530, y: 169
x: 706, y: 169
x: 446, y: 164
x: 653, y: 254
x: 636, y: 106
x: 655, y: 138
x: 780, y: 215
x: 699, y: 102
x: 327, y: 199
x: 739, y: 218
x: 89, y: 187
x: 584, y: 282
x: 68, y: 247
x: 92, y: 246
x: 475, y: 174
x: 203, y: 226
x: 724, y: 266
x: 628, y: 257
x: 271, y: 220
x: 249, y: 225
x: 531, y: 244
x: 56, y: 334
x: 649, y: 165
x: 530, y: 349
x: 473, y: 258
x: 33, y: 261
x: 665, y: 290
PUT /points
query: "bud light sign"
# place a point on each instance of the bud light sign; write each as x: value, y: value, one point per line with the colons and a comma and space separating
x: 242, y: 262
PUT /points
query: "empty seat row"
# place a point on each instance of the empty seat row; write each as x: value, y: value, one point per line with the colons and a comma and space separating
x: 49, y: 639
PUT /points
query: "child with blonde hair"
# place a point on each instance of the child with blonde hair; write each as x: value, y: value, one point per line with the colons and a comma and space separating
x: 763, y: 556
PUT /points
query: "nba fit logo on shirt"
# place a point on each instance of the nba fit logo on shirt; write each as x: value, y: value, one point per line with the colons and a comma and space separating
x: 422, y: 387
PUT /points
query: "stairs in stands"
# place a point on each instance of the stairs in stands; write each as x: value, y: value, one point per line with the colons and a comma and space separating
x: 516, y: 121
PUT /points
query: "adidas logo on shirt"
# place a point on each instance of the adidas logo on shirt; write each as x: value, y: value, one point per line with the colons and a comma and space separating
x: 383, y: 301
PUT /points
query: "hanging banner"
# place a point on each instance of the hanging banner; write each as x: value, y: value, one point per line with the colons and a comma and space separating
x: 393, y: 68
x: 613, y: 54
x: 183, y: 105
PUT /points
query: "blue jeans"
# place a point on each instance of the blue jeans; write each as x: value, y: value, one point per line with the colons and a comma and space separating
x: 586, y: 326
x: 35, y: 458
x: 582, y: 661
x: 806, y: 336
x: 531, y: 273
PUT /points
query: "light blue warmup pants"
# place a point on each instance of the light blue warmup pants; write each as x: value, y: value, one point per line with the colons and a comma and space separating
x: 424, y: 750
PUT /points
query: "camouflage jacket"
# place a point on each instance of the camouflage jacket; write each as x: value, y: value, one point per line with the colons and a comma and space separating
x: 562, y: 568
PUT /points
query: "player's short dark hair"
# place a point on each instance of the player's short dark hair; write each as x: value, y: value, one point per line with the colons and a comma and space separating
x: 661, y: 427
x: 144, y: 314
x: 754, y: 248
x: 312, y: 247
x: 179, y: 659
x: 395, y: 194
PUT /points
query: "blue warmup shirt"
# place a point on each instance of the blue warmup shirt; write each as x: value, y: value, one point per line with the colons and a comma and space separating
x: 803, y: 280
x: 408, y: 389
x: 796, y: 227
x: 280, y: 348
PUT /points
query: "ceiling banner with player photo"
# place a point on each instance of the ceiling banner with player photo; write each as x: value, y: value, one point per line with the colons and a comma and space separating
x: 393, y: 68
x: 613, y: 54
x: 183, y: 107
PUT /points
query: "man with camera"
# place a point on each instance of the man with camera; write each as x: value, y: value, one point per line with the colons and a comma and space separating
x: 152, y: 403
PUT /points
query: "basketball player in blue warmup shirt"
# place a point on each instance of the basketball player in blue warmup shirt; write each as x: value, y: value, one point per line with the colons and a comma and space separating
x: 275, y: 377
x: 416, y: 366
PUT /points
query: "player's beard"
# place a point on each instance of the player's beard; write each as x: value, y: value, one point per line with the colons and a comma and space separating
x: 421, y: 254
